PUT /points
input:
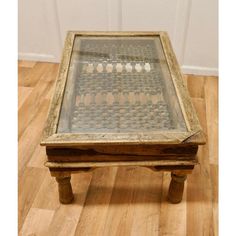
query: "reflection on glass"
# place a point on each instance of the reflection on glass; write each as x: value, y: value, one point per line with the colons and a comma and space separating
x: 119, y: 84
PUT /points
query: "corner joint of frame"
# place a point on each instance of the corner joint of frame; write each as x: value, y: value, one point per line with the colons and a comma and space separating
x: 197, y: 137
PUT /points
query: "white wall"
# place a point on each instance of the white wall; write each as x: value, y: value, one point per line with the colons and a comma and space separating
x: 191, y: 24
x: 201, y: 49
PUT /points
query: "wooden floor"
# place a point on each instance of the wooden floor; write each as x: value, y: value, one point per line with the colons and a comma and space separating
x: 112, y: 201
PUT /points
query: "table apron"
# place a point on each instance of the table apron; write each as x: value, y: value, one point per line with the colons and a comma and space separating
x: 116, y: 163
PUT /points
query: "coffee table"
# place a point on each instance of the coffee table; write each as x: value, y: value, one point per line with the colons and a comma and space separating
x: 120, y: 100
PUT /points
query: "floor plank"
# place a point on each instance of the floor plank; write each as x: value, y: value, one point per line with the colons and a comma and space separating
x: 29, y: 184
x: 31, y: 137
x: 172, y: 216
x: 47, y: 201
x: 38, y: 73
x: 30, y: 107
x: 214, y: 183
x: 146, y: 202
x: 199, y: 195
x: 97, y: 202
x: 66, y: 217
x: 27, y: 64
x: 119, y: 215
x: 23, y: 73
x: 23, y: 93
x: 196, y: 86
x: 134, y: 207
x: 38, y: 157
x: 211, y: 98
x: 37, y: 222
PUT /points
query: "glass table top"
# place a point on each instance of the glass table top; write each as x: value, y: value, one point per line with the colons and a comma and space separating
x: 119, y: 84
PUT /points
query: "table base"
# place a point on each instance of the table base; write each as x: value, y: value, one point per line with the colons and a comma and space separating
x: 176, y: 187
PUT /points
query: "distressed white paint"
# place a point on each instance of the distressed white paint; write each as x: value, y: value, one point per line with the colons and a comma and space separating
x: 191, y: 24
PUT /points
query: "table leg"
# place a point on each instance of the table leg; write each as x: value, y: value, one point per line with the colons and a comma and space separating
x: 65, y: 190
x: 176, y: 187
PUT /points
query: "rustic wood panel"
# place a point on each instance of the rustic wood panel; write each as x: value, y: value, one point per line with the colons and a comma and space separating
x: 129, y: 153
x: 197, y: 214
x: 147, y: 150
x: 117, y: 158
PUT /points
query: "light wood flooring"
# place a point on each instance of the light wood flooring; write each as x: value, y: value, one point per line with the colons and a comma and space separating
x: 112, y: 201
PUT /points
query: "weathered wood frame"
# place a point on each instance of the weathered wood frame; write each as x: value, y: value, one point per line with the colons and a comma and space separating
x: 160, y: 151
x: 193, y: 135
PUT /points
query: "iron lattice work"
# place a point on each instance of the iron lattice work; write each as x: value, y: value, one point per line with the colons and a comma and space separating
x: 119, y: 87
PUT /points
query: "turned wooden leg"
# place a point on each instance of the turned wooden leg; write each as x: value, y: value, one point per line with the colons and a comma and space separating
x: 65, y: 190
x: 176, y: 187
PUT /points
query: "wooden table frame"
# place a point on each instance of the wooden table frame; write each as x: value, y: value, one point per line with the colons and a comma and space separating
x: 169, y: 151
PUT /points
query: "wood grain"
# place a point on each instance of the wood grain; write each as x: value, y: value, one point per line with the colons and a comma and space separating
x: 28, y: 142
x: 67, y: 217
x: 199, y: 194
x: 146, y: 216
x: 30, y: 107
x: 38, y: 158
x: 214, y: 183
x: 29, y: 184
x: 27, y: 64
x: 211, y: 99
x: 37, y: 222
x: 196, y: 86
x: 47, y: 201
x: 123, y: 211
x: 173, y: 217
x: 31, y: 79
x: 23, y: 73
x: 23, y: 93
x: 105, y: 197
x: 97, y: 202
